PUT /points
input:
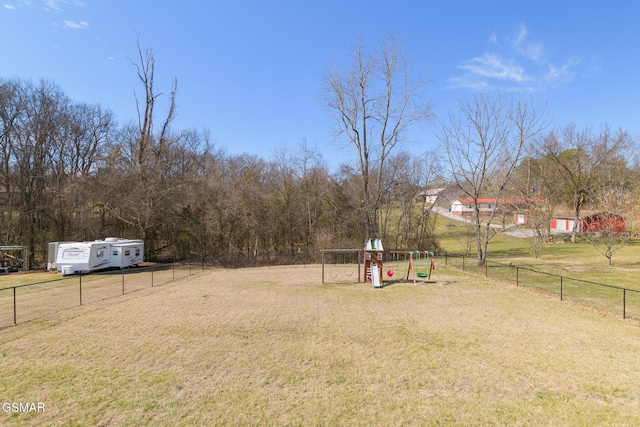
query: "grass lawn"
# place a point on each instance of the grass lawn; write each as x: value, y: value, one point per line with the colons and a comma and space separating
x: 579, y: 260
x: 273, y: 346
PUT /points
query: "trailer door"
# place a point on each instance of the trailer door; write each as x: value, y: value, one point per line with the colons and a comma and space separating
x: 115, y: 256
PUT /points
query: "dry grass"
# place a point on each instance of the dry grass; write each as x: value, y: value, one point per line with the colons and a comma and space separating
x: 272, y: 346
x: 34, y: 296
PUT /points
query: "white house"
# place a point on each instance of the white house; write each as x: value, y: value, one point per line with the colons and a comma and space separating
x: 464, y: 207
x: 429, y: 197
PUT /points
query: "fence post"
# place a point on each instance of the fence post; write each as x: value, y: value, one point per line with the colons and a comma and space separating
x: 561, y: 288
x: 463, y: 257
x: 624, y: 303
x: 123, y: 281
x: 517, y: 276
x: 174, y: 270
x: 15, y: 309
x: 80, y: 289
x: 152, y: 268
x: 486, y: 268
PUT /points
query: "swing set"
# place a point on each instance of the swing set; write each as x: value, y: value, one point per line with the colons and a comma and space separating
x: 420, y: 263
x: 344, y: 265
x: 341, y: 264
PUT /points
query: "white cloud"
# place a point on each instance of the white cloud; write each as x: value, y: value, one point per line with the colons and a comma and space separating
x: 519, y: 42
x: 8, y: 6
x: 468, y: 82
x: 492, y: 66
x: 517, y: 63
x: 58, y: 5
x: 493, y: 39
x: 53, y: 5
x: 564, y: 73
x: 83, y: 25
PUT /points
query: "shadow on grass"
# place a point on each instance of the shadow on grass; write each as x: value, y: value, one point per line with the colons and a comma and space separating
x: 418, y: 282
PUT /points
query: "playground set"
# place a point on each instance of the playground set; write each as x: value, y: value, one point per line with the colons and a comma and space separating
x: 400, y: 265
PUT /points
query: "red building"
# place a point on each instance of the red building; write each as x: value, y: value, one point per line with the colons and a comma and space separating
x: 604, y: 221
x: 592, y: 223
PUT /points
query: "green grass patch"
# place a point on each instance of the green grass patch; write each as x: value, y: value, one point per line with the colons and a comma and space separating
x: 578, y: 260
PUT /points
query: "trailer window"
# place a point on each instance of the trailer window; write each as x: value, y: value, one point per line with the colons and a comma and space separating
x: 127, y: 252
x: 137, y: 251
x: 115, y: 252
x: 100, y: 253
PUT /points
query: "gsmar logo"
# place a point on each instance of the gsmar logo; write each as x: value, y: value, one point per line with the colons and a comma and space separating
x: 22, y: 407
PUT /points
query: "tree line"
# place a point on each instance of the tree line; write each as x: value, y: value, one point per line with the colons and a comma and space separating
x: 70, y: 171
x: 503, y: 148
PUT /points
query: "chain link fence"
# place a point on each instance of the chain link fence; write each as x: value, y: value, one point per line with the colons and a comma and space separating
x: 241, y: 261
x: 23, y: 303
x: 610, y: 299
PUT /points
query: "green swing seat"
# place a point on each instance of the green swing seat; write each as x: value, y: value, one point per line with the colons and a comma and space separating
x: 425, y: 272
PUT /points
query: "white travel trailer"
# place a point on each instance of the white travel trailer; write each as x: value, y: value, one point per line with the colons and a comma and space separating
x: 53, y: 255
x: 112, y: 252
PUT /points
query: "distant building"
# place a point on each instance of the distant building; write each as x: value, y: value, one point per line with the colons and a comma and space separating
x: 564, y: 223
x: 590, y: 223
x: 604, y: 221
x: 464, y: 207
x: 429, y: 197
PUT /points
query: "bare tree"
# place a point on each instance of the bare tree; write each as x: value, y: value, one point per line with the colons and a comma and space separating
x: 48, y: 145
x: 374, y: 102
x: 287, y: 200
x: 536, y: 181
x: 313, y: 178
x: 11, y: 109
x: 146, y: 114
x: 407, y: 223
x: 614, y: 203
x: 483, y: 143
x: 583, y: 161
x: 84, y: 134
x: 151, y: 198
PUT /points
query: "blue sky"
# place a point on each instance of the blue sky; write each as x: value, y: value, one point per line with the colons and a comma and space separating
x: 251, y: 71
